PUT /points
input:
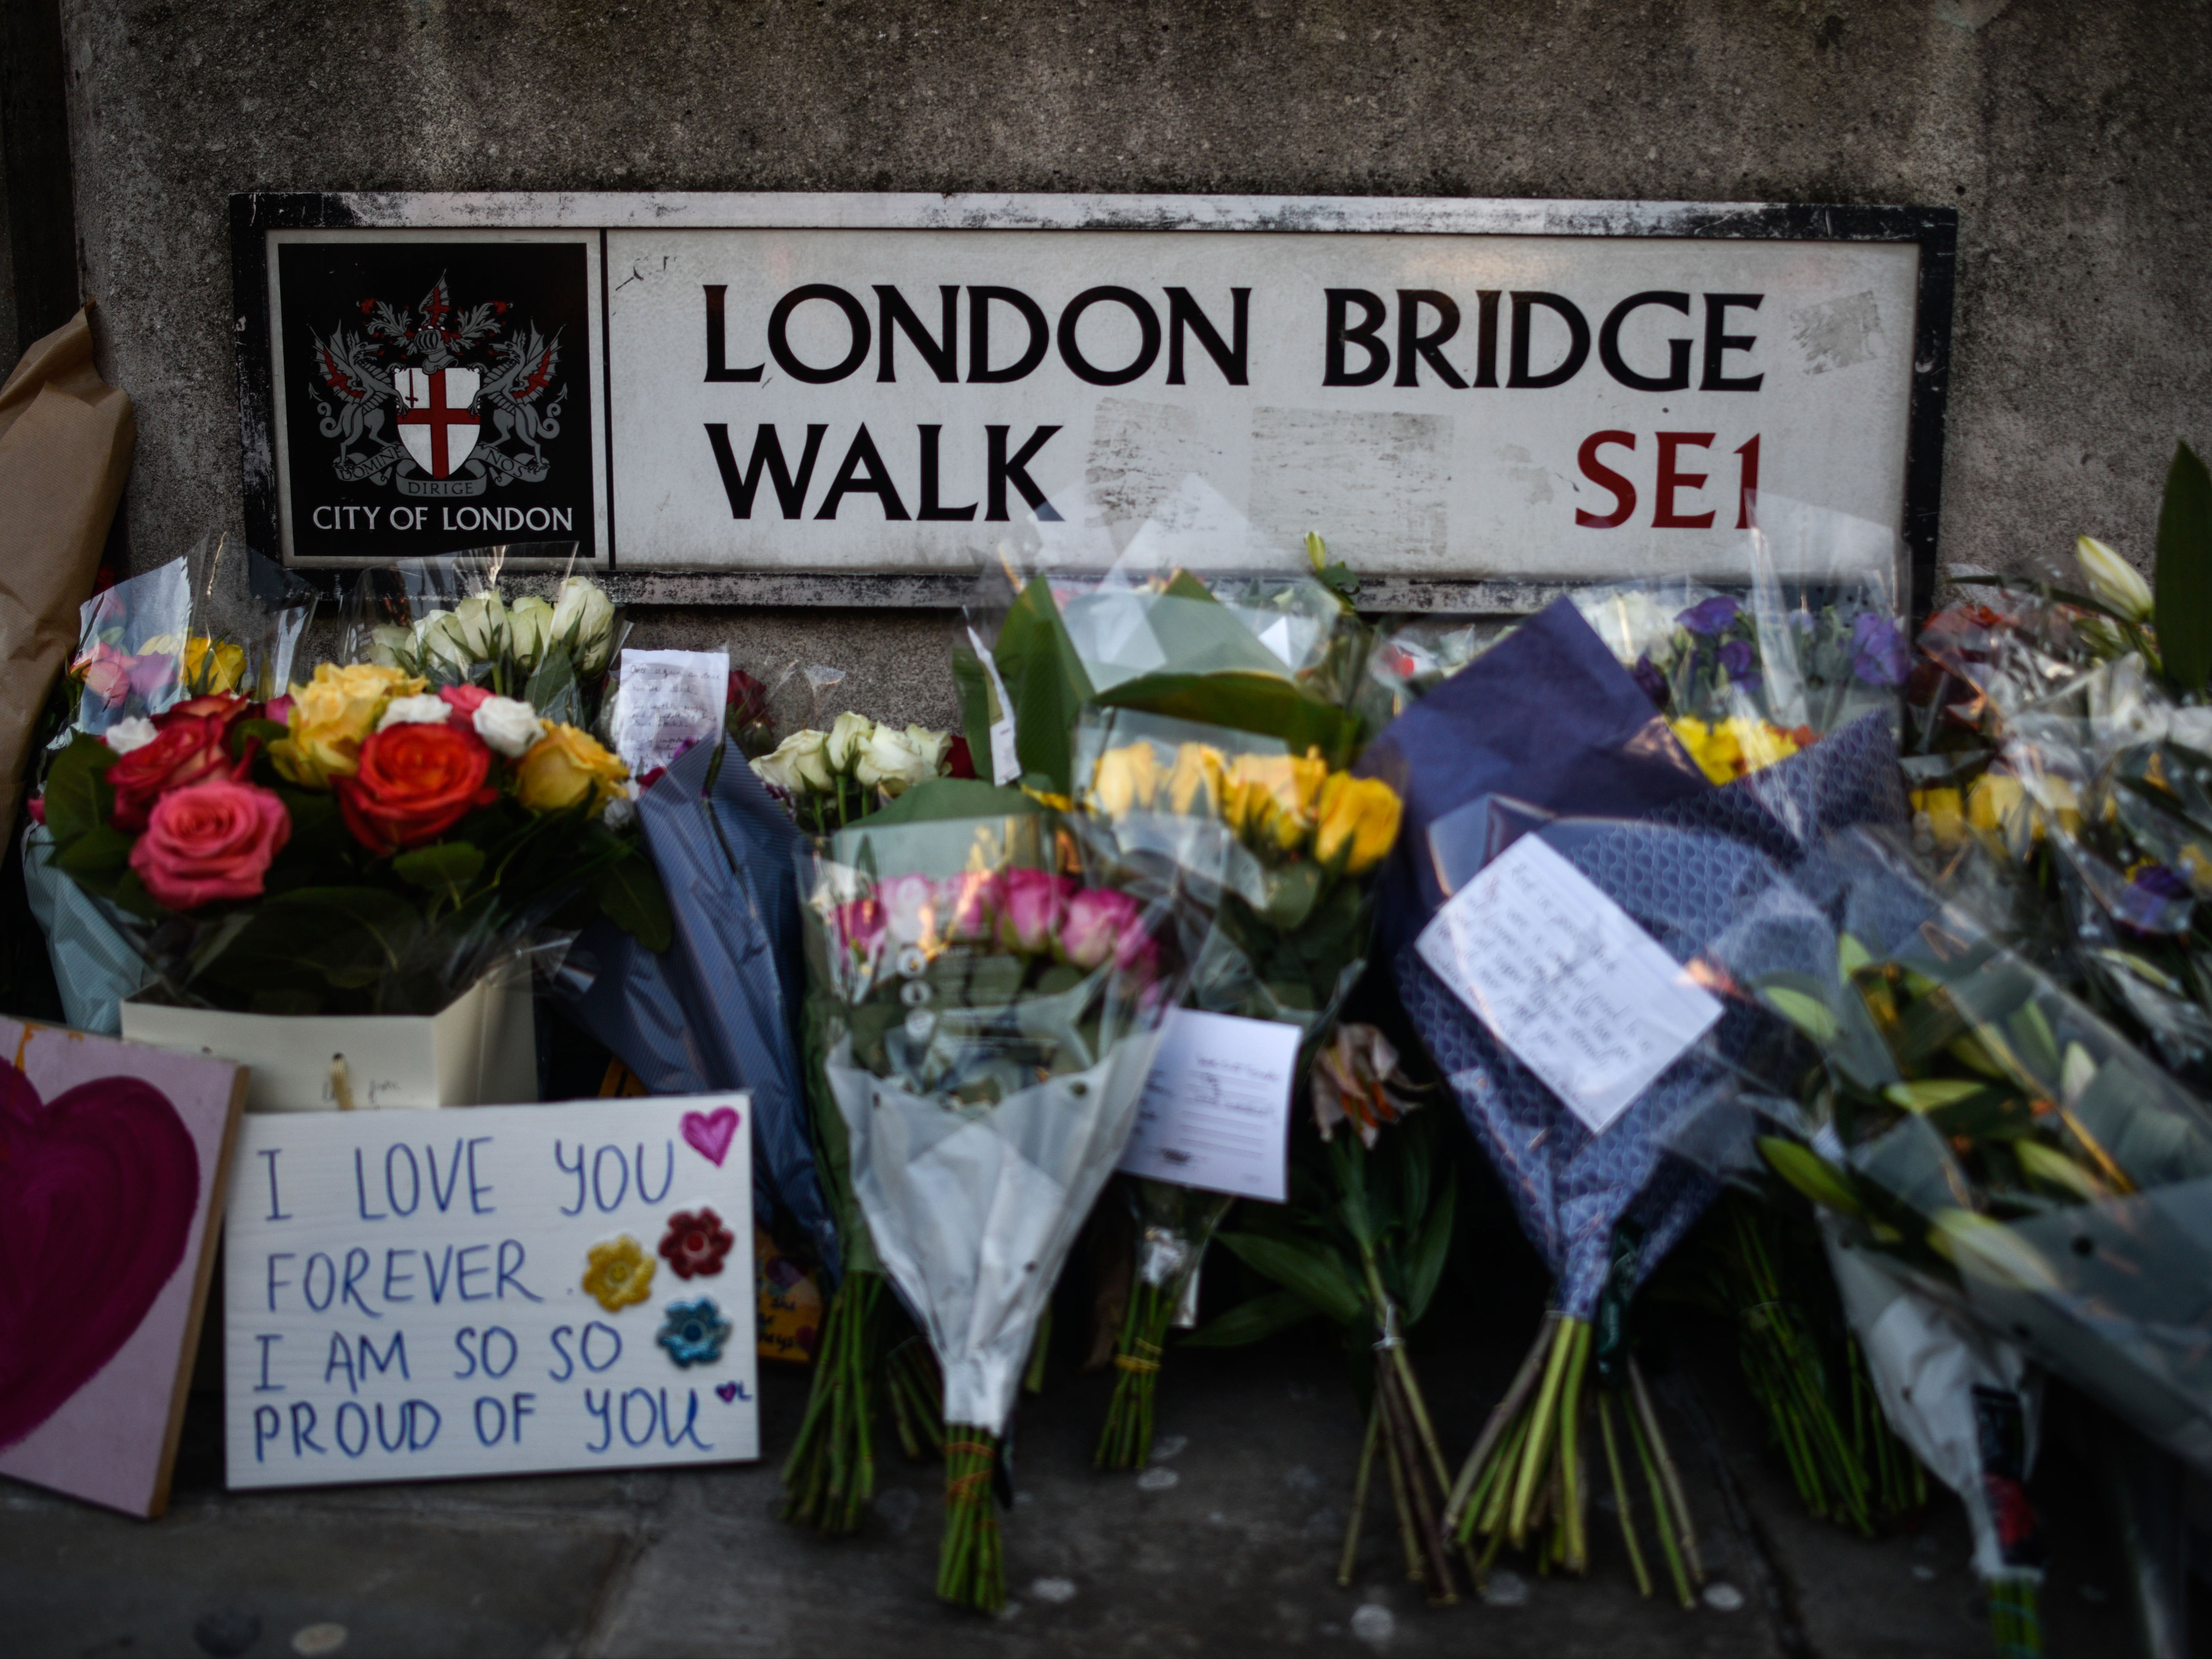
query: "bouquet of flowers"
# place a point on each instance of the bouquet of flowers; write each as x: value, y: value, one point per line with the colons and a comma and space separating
x: 460, y: 629
x: 360, y: 845
x: 830, y: 779
x: 2002, y: 1147
x: 987, y: 1020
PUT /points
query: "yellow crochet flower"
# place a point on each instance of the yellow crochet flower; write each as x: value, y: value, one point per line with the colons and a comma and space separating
x: 620, y: 1273
x: 331, y: 715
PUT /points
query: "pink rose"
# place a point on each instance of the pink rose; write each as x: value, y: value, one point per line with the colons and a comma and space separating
x: 210, y: 841
x: 279, y: 710
x: 1096, y: 923
x: 967, y: 904
x: 36, y: 806
x: 463, y: 700
x: 1031, y: 908
x: 860, y: 926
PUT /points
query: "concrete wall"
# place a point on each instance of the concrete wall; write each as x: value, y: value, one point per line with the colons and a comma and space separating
x: 2074, y: 139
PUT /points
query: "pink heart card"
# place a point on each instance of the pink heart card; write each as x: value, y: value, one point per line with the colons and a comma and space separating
x: 113, y: 1160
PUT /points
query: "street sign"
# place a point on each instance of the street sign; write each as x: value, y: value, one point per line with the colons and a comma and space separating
x: 861, y: 399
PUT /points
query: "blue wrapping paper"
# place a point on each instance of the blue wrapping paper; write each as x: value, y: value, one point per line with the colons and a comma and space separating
x: 1543, y: 738
x: 718, y: 1009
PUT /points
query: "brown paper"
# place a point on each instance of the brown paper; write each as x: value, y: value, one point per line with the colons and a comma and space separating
x: 65, y: 441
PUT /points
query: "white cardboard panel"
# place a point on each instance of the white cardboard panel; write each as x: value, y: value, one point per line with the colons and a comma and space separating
x: 404, y: 1296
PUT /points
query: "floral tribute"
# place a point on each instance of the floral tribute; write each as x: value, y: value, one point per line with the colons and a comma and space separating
x: 362, y: 844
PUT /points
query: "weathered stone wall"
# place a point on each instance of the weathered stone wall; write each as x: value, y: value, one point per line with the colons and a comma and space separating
x: 2074, y: 139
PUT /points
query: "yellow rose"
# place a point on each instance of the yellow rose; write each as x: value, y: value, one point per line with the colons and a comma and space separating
x: 1196, y: 780
x: 1125, y: 779
x: 1360, y: 819
x: 564, y: 767
x: 331, y: 715
x: 1940, y: 807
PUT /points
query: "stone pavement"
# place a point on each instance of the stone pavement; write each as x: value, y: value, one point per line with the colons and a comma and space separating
x: 1228, y: 1545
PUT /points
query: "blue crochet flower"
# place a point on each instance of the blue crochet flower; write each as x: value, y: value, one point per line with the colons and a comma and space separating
x: 694, y: 1332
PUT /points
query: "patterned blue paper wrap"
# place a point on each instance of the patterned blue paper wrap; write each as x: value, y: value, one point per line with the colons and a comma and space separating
x: 715, y: 1010
x: 1731, y: 876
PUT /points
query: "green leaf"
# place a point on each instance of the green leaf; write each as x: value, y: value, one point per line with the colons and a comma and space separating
x: 1929, y: 1093
x: 1313, y: 1272
x: 1425, y: 1269
x: 1811, y: 1175
x: 447, y: 867
x: 1803, y: 1009
x: 555, y: 674
x: 77, y: 797
x: 973, y: 687
x: 629, y: 894
x: 1261, y: 1317
x: 1266, y: 704
x: 2183, y: 578
x: 96, y: 857
x: 1045, y: 680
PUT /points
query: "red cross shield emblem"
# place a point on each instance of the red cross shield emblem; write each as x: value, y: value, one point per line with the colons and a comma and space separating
x: 435, y: 421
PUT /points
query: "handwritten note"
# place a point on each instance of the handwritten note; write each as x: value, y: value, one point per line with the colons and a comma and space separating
x: 666, y: 701
x: 1217, y: 1105
x: 414, y: 1295
x: 1582, y: 996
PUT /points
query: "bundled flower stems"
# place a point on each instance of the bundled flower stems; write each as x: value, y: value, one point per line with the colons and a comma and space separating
x: 1174, y: 1226
x: 1525, y: 1480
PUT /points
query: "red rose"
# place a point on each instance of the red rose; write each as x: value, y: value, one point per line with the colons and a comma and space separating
x: 191, y: 745
x: 958, y: 761
x: 210, y: 841
x: 414, y: 783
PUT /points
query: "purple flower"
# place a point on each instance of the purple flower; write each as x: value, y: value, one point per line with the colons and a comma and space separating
x: 1735, y: 656
x: 1879, y: 655
x: 1653, y: 682
x: 1711, y: 616
x: 2161, y: 881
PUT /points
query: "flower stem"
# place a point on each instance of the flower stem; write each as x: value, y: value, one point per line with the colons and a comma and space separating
x: 971, y: 1569
x: 1538, y: 1446
x: 1350, y: 1559
x: 1459, y: 1510
x: 1620, y: 1495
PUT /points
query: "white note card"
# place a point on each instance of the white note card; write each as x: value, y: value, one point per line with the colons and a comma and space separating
x: 666, y: 701
x: 1217, y: 1106
x: 1583, y: 997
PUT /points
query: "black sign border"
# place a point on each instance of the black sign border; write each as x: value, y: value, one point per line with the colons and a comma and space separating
x: 1934, y: 229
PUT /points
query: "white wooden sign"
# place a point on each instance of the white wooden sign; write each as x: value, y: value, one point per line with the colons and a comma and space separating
x: 494, y: 1291
x: 899, y: 386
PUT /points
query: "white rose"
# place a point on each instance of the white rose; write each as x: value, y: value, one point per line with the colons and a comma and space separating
x: 480, y: 624
x: 391, y: 646
x: 509, y: 726
x: 847, y: 738
x: 931, y: 746
x: 438, y: 638
x: 529, y: 630
x: 429, y: 710
x: 888, y: 757
x: 799, y: 765
x: 584, y: 616
x: 126, y: 735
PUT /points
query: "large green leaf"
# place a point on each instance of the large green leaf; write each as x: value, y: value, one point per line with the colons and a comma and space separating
x: 1250, y: 1322
x: 1313, y: 1272
x: 345, y: 937
x: 77, y: 797
x: 973, y: 687
x: 445, y: 868
x: 1811, y: 1175
x: 1045, y: 680
x: 1265, y: 704
x: 96, y: 859
x: 1425, y: 1265
x: 2183, y: 603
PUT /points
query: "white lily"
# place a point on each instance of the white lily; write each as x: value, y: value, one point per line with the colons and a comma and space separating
x: 2112, y: 579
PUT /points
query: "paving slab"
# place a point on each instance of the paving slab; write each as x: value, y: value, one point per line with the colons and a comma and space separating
x: 1229, y: 1544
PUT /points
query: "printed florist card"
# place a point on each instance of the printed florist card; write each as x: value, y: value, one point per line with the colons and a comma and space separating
x: 500, y: 1291
x: 1582, y: 996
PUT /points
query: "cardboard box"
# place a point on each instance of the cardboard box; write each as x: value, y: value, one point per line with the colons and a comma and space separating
x: 481, y: 1050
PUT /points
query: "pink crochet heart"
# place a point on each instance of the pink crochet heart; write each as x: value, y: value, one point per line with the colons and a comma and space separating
x: 98, y: 1188
x: 711, y: 1133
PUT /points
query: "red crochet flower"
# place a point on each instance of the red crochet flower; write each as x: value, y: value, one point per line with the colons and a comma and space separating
x: 695, y: 1242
